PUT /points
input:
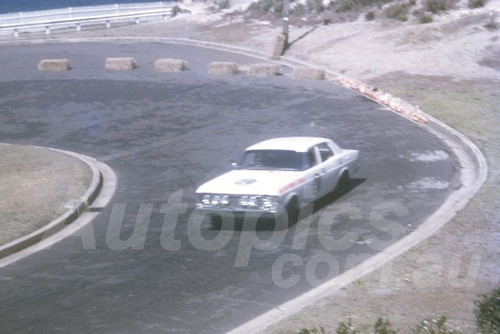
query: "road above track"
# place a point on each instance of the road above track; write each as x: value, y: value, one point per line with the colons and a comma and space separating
x: 164, y: 134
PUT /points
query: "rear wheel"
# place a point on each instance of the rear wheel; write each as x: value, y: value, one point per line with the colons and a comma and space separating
x: 343, y: 183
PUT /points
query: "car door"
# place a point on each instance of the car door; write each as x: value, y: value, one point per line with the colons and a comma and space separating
x: 313, y: 176
x: 329, y: 168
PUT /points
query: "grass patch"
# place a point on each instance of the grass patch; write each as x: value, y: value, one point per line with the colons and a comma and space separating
x: 487, y: 312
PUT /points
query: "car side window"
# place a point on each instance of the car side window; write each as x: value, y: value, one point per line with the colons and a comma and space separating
x: 325, y: 151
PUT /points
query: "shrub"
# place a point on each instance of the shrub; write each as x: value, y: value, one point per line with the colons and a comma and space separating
x: 436, y: 6
x: 348, y: 5
x: 492, y: 25
x: 343, y: 328
x: 315, y: 6
x: 383, y: 327
x: 311, y: 331
x: 370, y: 16
x: 433, y: 326
x: 487, y: 312
x: 223, y: 4
x: 425, y: 17
x: 397, y: 11
x: 476, y: 3
x: 298, y: 10
x: 267, y: 5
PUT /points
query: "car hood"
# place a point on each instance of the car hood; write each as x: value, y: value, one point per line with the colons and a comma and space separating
x: 252, y: 182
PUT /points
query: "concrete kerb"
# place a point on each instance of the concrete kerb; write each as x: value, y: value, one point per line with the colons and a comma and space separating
x: 78, y: 206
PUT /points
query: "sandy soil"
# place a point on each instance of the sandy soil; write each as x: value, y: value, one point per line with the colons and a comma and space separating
x: 451, y: 69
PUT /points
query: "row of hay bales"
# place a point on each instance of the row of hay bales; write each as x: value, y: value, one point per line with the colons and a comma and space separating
x: 179, y: 65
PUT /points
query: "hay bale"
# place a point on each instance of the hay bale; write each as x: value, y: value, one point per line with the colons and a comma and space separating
x: 278, y: 47
x: 219, y: 67
x: 264, y: 70
x: 54, y: 65
x: 120, y: 64
x: 171, y: 65
x: 309, y: 73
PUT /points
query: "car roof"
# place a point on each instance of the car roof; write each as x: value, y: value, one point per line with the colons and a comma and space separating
x: 298, y: 144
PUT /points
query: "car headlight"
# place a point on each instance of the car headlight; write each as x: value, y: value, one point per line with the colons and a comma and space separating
x: 246, y: 202
x: 264, y: 203
x: 214, y: 200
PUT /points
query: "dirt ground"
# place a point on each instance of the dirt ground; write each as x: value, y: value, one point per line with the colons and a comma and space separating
x: 451, y: 69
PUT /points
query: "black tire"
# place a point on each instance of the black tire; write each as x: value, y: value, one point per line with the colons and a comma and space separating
x: 343, y: 183
x: 292, y: 211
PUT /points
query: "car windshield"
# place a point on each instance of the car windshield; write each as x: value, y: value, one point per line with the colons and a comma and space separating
x: 274, y: 159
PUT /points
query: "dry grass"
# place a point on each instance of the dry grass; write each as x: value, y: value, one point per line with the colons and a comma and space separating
x: 39, y: 182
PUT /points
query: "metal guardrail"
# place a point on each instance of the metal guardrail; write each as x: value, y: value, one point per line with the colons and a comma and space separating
x: 78, y: 16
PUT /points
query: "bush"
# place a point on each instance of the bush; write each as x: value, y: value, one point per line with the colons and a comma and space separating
x: 476, y: 3
x: 348, y: 5
x: 311, y: 331
x: 487, y: 312
x: 397, y: 11
x: 274, y: 6
x: 436, y: 6
x: 298, y: 10
x: 223, y: 4
x: 424, y: 17
x: 370, y: 16
x: 343, y: 328
x: 383, y: 327
x: 315, y: 6
x: 492, y: 25
x: 433, y: 326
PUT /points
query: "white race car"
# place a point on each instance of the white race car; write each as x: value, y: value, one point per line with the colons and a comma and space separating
x: 277, y: 176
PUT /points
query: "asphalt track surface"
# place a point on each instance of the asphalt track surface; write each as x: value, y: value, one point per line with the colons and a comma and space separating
x: 164, y: 134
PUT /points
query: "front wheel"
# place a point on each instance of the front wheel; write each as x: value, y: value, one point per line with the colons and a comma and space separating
x: 292, y: 211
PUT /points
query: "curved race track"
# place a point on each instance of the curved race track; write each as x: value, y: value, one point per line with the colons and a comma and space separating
x: 163, y: 134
